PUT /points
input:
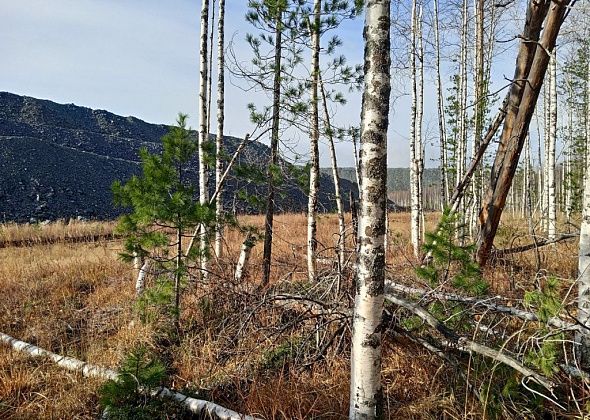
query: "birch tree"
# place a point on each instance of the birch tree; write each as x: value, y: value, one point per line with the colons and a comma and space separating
x: 203, y: 121
x: 314, y: 175
x: 220, y: 126
x: 416, y: 161
x: 584, y: 254
x: 552, y: 140
x: 461, y: 158
x: 441, y: 113
x: 366, y: 395
x: 479, y: 111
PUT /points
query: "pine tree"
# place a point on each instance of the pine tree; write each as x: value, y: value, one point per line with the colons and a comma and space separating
x: 162, y: 203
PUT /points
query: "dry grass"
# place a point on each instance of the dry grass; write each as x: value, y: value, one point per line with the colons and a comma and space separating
x: 61, y: 231
x: 77, y: 300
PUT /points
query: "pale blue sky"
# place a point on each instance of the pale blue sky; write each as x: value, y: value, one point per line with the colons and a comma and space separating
x: 140, y: 58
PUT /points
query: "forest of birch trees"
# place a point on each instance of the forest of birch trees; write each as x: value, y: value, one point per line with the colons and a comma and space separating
x: 494, y: 95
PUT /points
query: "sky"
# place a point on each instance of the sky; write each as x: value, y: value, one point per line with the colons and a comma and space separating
x: 140, y: 58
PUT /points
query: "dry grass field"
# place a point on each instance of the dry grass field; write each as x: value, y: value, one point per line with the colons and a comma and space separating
x: 77, y: 299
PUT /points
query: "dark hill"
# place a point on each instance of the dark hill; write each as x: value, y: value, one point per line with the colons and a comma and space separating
x: 59, y: 161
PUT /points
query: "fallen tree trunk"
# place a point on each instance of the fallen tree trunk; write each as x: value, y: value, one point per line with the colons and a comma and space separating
x: 198, y: 407
x: 464, y: 344
x: 538, y: 244
x: 483, y: 302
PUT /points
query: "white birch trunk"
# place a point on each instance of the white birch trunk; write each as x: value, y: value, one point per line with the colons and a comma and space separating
x: 357, y: 168
x: 198, y: 407
x: 415, y: 151
x: 140, y: 282
x: 547, y: 140
x: 445, y: 191
x: 314, y: 173
x: 419, y: 119
x: 462, y: 116
x: 366, y: 394
x: 584, y: 253
x: 203, y: 132
x: 551, y: 209
x: 220, y: 127
x: 528, y: 204
x: 479, y: 114
x: 245, y: 252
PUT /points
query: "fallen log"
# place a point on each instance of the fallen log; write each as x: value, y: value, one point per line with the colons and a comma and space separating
x: 207, y: 409
x: 498, y: 253
x: 485, y: 302
x: 466, y: 345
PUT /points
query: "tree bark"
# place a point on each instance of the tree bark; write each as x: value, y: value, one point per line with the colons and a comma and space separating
x: 552, y: 200
x: 336, y: 177
x: 220, y: 127
x: 445, y: 191
x: 314, y: 173
x: 461, y: 160
x: 366, y: 394
x: 531, y: 66
x: 479, y: 112
x: 140, y: 282
x: 584, y: 255
x: 198, y: 407
x: 415, y: 139
x: 203, y: 132
x: 245, y: 252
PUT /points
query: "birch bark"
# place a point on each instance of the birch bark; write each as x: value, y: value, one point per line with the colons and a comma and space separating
x: 551, y: 204
x: 366, y: 394
x: 415, y: 149
x: 203, y: 132
x: 584, y: 253
x: 441, y: 114
x: 220, y: 127
x: 314, y: 175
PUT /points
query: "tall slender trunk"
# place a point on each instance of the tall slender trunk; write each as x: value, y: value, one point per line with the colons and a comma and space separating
x: 314, y: 173
x: 210, y: 72
x: 441, y: 114
x: 220, y: 126
x: 584, y: 253
x: 177, y: 277
x: 336, y: 177
x: 546, y: 142
x: 531, y: 66
x: 568, y: 162
x: 527, y: 186
x: 462, y: 115
x: 366, y: 394
x: 479, y: 112
x: 419, y: 120
x: 551, y: 204
x: 274, y: 150
x: 415, y: 146
x: 203, y: 132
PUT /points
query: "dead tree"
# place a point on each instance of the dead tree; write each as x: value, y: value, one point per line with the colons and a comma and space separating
x: 531, y: 66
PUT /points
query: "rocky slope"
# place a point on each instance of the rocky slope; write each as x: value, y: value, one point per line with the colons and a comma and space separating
x: 59, y: 161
